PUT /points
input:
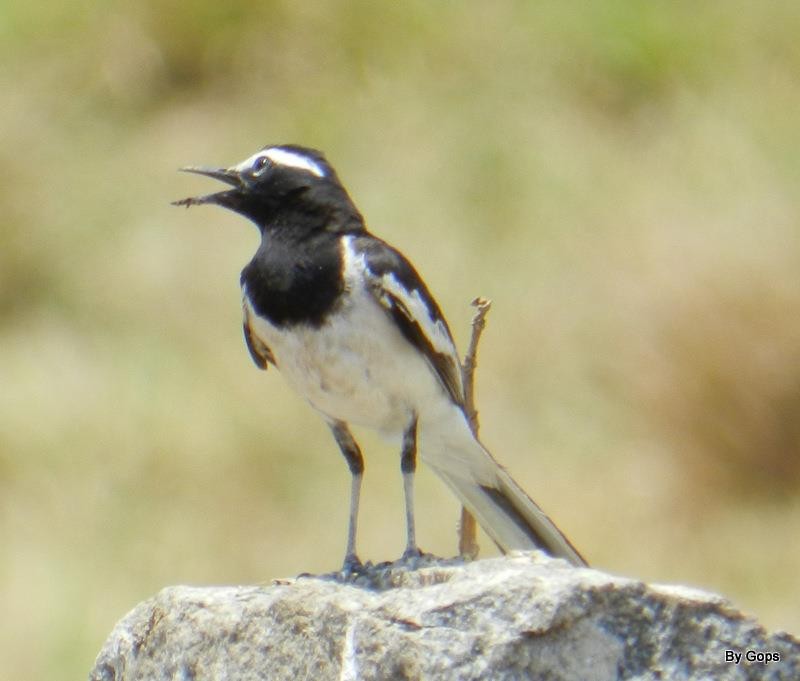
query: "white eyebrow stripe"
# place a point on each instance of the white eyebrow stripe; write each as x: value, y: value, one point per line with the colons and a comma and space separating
x: 283, y: 157
x: 293, y: 159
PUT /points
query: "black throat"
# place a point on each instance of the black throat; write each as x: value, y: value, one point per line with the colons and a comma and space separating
x: 295, y: 278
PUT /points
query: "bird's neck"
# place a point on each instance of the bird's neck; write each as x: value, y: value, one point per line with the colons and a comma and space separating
x: 299, y: 222
x: 298, y: 229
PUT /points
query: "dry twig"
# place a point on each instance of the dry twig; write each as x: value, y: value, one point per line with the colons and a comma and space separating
x: 467, y: 529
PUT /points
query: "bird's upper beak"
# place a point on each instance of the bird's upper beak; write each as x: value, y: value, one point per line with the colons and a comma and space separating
x: 228, y: 175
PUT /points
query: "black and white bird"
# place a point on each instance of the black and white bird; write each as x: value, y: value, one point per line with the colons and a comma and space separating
x: 352, y: 327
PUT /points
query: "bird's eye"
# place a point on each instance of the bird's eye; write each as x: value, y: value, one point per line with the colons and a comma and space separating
x: 260, y: 163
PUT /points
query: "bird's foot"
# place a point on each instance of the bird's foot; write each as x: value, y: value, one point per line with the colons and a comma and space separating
x: 414, y: 558
x: 352, y: 565
x: 412, y: 552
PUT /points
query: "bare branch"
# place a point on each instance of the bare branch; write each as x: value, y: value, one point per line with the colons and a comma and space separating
x: 483, y: 306
x: 467, y: 528
x: 468, y: 535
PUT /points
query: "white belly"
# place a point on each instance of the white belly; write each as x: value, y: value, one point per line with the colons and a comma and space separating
x: 357, y: 367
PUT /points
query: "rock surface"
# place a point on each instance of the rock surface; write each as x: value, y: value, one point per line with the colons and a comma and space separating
x: 523, y: 616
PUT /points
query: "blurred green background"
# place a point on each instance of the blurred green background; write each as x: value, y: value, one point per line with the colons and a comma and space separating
x: 621, y: 178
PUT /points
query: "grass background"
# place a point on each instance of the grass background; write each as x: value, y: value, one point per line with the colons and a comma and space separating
x: 621, y: 178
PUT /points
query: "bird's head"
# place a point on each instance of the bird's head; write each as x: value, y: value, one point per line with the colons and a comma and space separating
x: 282, y: 185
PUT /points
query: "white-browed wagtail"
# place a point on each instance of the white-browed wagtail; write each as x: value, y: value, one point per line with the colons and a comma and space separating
x: 352, y: 327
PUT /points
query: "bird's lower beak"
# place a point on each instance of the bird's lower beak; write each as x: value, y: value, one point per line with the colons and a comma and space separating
x: 227, y: 175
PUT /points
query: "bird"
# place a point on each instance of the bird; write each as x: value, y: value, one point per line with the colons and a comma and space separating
x: 353, y: 328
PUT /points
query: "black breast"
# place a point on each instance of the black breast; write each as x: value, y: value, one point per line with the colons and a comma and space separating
x: 297, y: 283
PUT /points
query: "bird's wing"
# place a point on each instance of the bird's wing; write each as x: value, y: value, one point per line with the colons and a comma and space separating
x: 261, y: 354
x: 398, y: 288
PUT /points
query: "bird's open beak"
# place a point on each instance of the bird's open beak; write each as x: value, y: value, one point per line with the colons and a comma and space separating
x: 227, y: 175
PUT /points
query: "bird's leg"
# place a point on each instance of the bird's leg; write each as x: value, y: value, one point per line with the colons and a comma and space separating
x: 408, y: 465
x: 352, y: 453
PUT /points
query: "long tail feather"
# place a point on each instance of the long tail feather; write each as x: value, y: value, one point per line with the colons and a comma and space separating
x: 502, y: 508
x: 510, y: 517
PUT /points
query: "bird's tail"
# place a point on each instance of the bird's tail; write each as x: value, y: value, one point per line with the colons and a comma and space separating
x: 502, y: 508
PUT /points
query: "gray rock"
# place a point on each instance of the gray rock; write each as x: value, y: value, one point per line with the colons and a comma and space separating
x: 523, y: 616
